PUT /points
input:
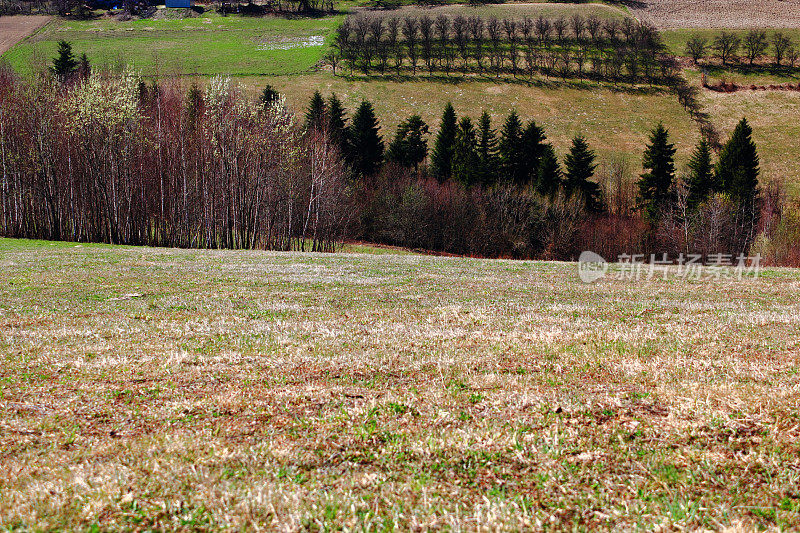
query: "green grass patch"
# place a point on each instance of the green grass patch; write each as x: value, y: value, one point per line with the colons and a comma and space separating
x: 206, y: 45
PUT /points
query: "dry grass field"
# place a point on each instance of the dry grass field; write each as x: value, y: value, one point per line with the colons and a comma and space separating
x: 155, y: 389
x: 14, y: 29
x: 718, y: 13
x: 774, y: 118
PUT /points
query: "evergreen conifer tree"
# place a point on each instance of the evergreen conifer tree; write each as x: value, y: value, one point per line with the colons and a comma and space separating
x: 365, y: 143
x: 64, y: 64
x: 659, y: 162
x: 510, y: 150
x: 317, y: 112
x: 700, y: 181
x: 580, y: 166
x: 466, y: 169
x: 269, y: 96
x: 337, y: 124
x: 549, y: 173
x: 409, y: 147
x: 737, y: 176
x: 442, y: 155
x: 533, y: 146
x: 487, y: 150
x: 738, y: 167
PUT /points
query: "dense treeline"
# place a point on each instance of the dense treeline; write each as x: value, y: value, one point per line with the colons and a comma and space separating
x: 487, y: 192
x: 578, y: 46
x: 111, y: 159
x: 88, y: 156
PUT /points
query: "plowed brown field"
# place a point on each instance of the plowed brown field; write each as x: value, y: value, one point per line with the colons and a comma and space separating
x: 719, y: 13
x: 14, y: 29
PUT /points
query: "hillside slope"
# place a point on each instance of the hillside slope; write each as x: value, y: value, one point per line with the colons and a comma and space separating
x: 161, y: 389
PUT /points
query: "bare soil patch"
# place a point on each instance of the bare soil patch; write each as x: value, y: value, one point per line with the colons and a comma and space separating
x: 719, y: 13
x: 14, y: 29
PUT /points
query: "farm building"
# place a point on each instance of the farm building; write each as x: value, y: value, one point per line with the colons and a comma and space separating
x: 178, y: 3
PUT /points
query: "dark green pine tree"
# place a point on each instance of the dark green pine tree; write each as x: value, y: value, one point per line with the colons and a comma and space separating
x: 365, y: 143
x: 580, y: 166
x: 659, y: 164
x: 84, y: 67
x: 442, y: 155
x: 487, y: 150
x: 64, y: 65
x: 737, y: 176
x: 549, y: 173
x: 337, y: 124
x: 700, y: 181
x: 466, y: 169
x: 269, y: 96
x: 317, y: 112
x: 511, y: 150
x: 409, y: 147
x: 194, y: 104
x: 737, y: 169
x: 533, y: 146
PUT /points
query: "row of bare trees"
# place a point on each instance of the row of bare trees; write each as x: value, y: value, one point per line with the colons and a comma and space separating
x: 754, y: 47
x: 567, y: 47
x: 110, y: 159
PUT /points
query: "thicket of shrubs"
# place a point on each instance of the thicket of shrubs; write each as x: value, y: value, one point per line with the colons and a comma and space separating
x: 578, y: 46
x: 108, y: 158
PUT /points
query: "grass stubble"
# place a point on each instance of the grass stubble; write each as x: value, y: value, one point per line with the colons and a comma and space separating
x: 203, y: 390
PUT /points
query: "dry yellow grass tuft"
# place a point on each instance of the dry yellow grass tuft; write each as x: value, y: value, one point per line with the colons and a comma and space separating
x: 203, y: 390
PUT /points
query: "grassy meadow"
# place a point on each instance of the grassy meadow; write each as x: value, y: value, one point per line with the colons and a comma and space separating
x: 206, y: 45
x: 154, y: 389
x: 774, y: 118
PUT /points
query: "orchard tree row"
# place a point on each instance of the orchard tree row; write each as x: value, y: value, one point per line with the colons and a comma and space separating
x: 566, y: 47
x: 755, y: 47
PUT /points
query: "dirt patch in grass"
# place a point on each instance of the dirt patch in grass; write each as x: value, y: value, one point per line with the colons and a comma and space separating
x: 14, y: 29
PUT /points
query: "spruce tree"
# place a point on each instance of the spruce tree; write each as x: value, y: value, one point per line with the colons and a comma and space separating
x: 84, y: 67
x: 269, y: 96
x: 532, y: 148
x: 659, y: 162
x: 487, y: 150
x: 549, y: 172
x: 737, y: 169
x: 510, y: 150
x: 194, y: 104
x: 700, y: 181
x: 442, y: 155
x: 337, y: 124
x: 465, y: 154
x: 317, y: 111
x: 737, y: 176
x: 64, y: 65
x: 409, y: 147
x: 365, y: 143
x: 580, y: 166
